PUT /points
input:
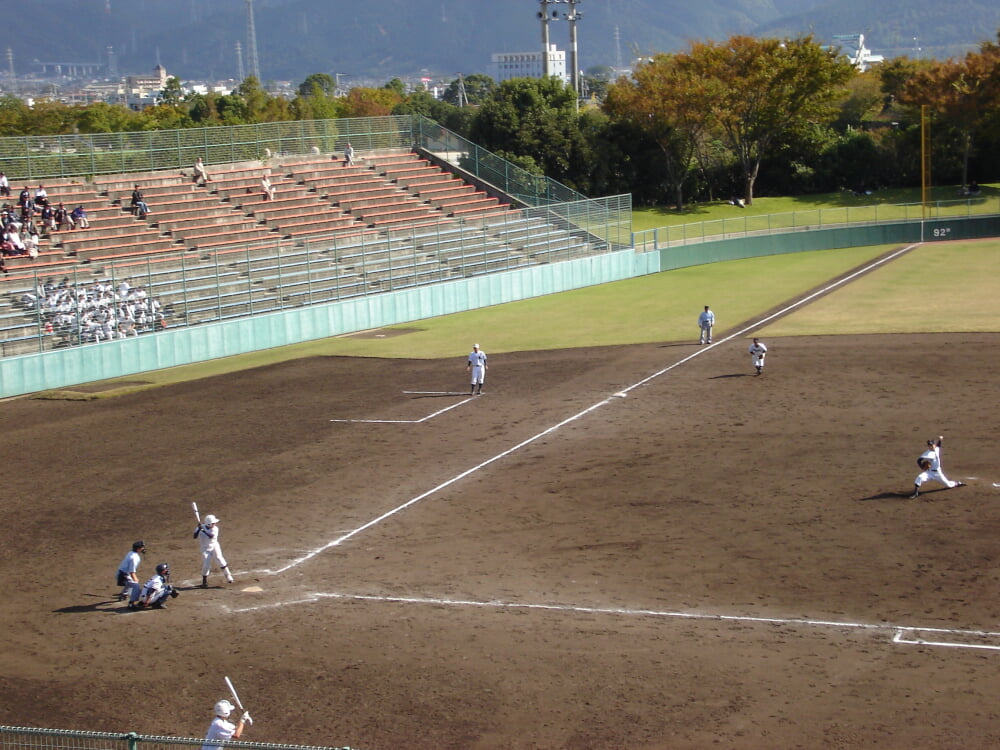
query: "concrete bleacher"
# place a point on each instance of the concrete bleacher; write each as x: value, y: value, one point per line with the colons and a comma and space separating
x: 220, y: 250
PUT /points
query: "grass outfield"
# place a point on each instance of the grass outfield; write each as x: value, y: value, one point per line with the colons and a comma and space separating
x: 939, y: 287
x: 935, y: 288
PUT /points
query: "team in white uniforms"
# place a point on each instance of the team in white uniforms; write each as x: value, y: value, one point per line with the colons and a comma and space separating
x: 930, y: 465
x: 207, y: 535
x: 476, y: 366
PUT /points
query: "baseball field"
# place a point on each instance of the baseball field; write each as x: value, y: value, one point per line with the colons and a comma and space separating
x: 629, y: 541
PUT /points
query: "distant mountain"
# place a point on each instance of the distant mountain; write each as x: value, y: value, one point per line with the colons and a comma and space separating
x: 377, y: 40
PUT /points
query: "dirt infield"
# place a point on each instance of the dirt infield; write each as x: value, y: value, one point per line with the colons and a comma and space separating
x: 713, y: 560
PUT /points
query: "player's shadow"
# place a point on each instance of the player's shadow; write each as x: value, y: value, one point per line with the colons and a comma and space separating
x: 899, y: 495
x: 104, y: 605
x: 733, y: 375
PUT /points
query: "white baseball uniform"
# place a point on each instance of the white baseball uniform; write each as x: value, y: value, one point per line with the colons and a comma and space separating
x: 934, y: 472
x: 477, y: 367
x: 218, y: 731
x: 757, y: 353
x: 211, y: 550
x: 156, y: 589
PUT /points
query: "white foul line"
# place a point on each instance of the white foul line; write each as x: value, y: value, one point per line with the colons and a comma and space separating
x: 343, y: 538
x: 897, y: 638
x: 407, y: 421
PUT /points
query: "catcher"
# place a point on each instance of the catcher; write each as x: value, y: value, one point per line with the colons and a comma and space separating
x: 156, y: 590
x: 930, y: 468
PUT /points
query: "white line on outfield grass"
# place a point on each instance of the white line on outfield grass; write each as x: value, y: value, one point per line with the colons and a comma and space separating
x: 898, y: 631
x: 569, y: 420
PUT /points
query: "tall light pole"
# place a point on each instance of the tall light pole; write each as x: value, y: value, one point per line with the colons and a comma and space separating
x: 252, y: 61
x: 572, y: 17
x: 544, y: 15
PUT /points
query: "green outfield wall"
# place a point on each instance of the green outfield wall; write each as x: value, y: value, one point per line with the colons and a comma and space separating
x: 49, y: 370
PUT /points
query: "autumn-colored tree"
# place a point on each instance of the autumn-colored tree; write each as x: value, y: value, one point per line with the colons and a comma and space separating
x: 367, y: 102
x: 963, y: 94
x: 765, y: 91
x: 671, y: 103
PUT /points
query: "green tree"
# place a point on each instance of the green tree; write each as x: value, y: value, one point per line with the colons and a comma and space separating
x: 172, y: 94
x: 672, y: 104
x: 13, y: 113
x: 766, y: 91
x: 478, y: 87
x: 367, y: 102
x: 318, y: 84
x: 396, y: 86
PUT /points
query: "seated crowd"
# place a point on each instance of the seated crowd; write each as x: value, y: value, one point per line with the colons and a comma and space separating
x: 94, y: 312
x: 19, y: 232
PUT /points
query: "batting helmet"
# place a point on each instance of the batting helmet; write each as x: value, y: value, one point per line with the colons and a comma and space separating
x: 223, y: 708
x: 210, y: 519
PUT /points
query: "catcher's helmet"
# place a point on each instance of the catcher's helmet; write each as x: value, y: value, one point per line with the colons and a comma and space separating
x: 163, y: 569
x: 223, y: 708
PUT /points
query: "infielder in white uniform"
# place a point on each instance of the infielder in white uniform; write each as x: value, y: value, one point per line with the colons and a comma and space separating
x: 476, y: 366
x: 757, y: 352
x: 207, y: 535
x: 221, y: 729
x: 930, y: 465
x: 705, y: 322
x: 127, y: 576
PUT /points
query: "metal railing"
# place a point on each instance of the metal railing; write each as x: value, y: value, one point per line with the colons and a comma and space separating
x: 67, y: 739
x: 193, y: 288
x: 819, y: 218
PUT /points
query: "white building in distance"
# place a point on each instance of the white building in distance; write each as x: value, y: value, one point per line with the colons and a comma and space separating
x: 854, y: 47
x: 507, y: 65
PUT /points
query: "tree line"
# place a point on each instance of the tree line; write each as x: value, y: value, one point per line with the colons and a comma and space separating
x: 720, y: 120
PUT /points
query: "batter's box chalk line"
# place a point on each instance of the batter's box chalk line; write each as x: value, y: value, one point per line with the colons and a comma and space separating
x: 902, y: 634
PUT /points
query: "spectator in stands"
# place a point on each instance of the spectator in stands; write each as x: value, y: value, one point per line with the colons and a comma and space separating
x: 62, y: 216
x: 200, y: 173
x: 268, y: 189
x: 139, y: 206
x: 348, y: 155
x: 41, y: 196
x: 23, y: 197
x: 48, y: 219
x: 79, y: 215
x: 4, y: 185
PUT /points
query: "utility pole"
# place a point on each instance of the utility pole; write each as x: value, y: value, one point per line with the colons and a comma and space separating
x: 463, y: 98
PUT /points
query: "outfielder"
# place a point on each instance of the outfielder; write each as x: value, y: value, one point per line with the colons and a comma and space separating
x: 705, y: 323
x: 156, y: 590
x: 221, y: 729
x: 127, y: 576
x: 757, y: 353
x: 476, y: 366
x: 207, y: 535
x: 930, y: 465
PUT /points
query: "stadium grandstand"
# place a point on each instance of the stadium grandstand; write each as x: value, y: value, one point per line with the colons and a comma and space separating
x: 284, y: 220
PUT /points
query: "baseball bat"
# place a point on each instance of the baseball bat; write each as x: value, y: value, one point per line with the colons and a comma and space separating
x: 236, y: 698
x: 196, y: 513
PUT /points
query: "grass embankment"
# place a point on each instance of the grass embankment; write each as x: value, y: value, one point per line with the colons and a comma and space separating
x: 835, y: 207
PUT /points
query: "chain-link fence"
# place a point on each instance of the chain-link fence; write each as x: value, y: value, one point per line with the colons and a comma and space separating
x: 65, y: 739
